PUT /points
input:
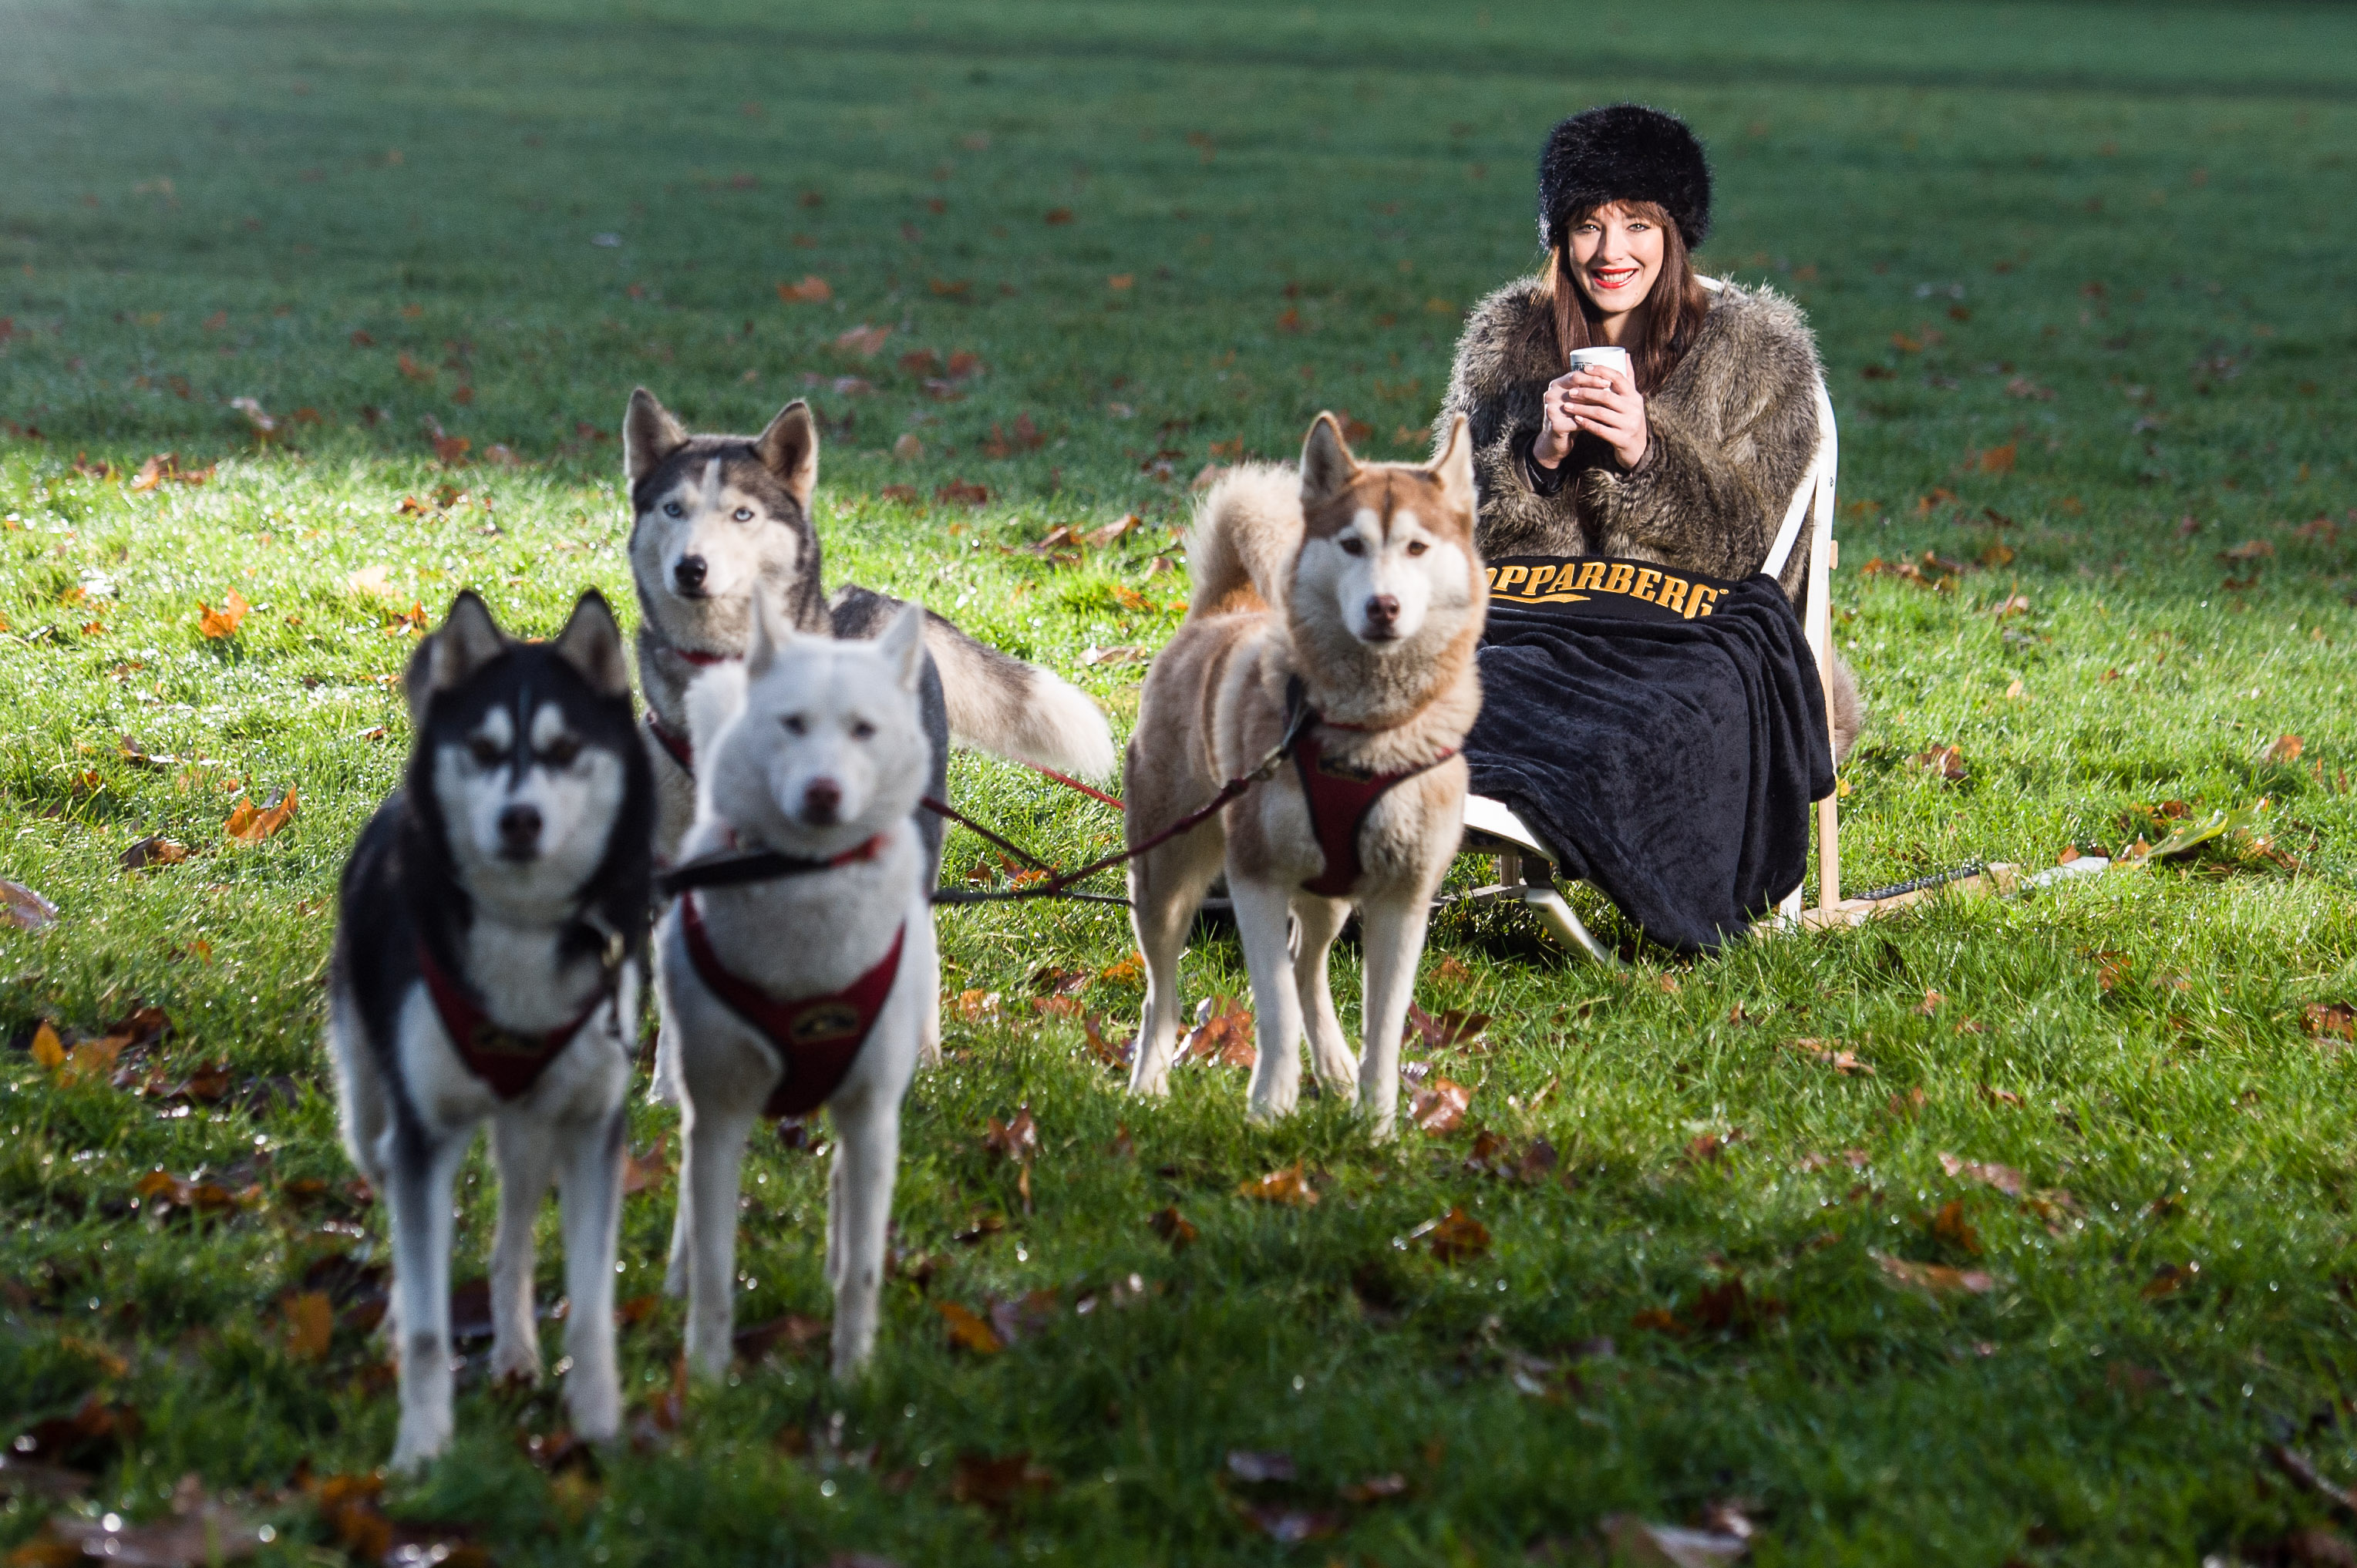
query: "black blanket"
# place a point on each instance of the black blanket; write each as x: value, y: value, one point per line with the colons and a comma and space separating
x: 1664, y: 735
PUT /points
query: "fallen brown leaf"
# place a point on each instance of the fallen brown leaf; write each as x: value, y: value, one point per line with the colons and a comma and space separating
x: 222, y: 622
x: 1943, y: 762
x: 968, y: 1331
x: 2330, y: 1021
x: 22, y: 907
x: 1833, y: 1055
x: 1455, y: 1236
x: 793, y: 1330
x: 643, y: 1173
x: 2005, y: 1178
x: 1440, y: 1105
x: 998, y: 1484
x: 811, y: 290
x: 1938, y: 1279
x: 153, y: 849
x: 1174, y: 1227
x: 309, y: 1321
x: 1290, y: 1185
x: 1950, y: 1225
x: 250, y: 824
x: 1106, y: 1047
x: 1222, y: 1035
x: 2286, y: 748
x: 1643, y: 1544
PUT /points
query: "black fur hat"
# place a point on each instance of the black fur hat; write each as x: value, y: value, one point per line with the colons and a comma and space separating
x: 1624, y: 152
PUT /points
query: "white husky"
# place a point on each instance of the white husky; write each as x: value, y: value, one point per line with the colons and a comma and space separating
x: 816, y: 981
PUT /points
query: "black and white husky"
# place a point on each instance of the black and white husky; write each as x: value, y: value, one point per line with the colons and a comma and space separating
x: 486, y: 967
x: 717, y: 519
x: 813, y: 981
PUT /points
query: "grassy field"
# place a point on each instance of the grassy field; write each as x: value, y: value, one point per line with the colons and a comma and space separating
x: 2081, y: 278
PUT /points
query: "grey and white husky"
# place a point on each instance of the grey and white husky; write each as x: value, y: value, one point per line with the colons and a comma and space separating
x: 817, y: 983
x: 717, y: 519
x: 487, y: 969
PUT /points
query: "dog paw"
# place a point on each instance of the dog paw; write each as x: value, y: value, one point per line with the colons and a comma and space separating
x: 519, y: 1363
x: 418, y: 1445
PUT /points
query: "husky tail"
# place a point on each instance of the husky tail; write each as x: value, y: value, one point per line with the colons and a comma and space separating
x: 997, y: 703
x: 1246, y: 535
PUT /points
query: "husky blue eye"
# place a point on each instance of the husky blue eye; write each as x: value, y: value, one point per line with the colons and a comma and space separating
x: 673, y: 509
x: 744, y: 514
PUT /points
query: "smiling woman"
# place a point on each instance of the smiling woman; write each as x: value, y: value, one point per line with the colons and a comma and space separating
x: 1681, y: 448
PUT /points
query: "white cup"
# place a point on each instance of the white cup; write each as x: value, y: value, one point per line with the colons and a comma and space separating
x: 1602, y: 359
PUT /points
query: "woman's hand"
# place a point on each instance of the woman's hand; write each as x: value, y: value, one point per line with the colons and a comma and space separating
x: 1603, y: 401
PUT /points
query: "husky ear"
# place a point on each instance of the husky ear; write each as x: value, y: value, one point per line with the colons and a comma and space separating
x: 789, y: 450
x: 592, y: 644
x: 649, y: 434
x: 467, y: 640
x: 761, y: 644
x: 903, y: 643
x: 1327, y: 465
x: 1453, y: 465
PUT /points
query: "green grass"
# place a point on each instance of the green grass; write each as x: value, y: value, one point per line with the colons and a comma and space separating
x: 2143, y: 212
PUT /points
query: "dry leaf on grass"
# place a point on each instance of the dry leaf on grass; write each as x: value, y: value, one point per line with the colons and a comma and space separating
x: 967, y: 1331
x: 1111, y: 1049
x: 1943, y: 762
x: 811, y: 290
x: 198, y: 1533
x: 1440, y: 1105
x: 1290, y: 1185
x: 308, y: 1319
x: 1460, y: 1028
x: 998, y: 1484
x: 250, y: 824
x: 1950, y: 1227
x: 1643, y: 1544
x: 1454, y: 1237
x: 1938, y: 1279
x: 2330, y: 1021
x: 2005, y: 1178
x: 1831, y: 1053
x: 1222, y: 1033
x: 643, y: 1173
x: 25, y: 910
x: 2286, y: 748
x: 1174, y: 1227
x: 153, y: 849
x: 793, y: 1330
x: 222, y: 622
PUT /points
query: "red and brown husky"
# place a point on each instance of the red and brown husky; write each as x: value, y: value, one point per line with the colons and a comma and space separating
x: 1333, y: 622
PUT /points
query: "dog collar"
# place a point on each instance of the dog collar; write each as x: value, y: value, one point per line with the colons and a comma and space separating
x: 817, y: 1038
x: 674, y: 743
x: 692, y: 657
x: 507, y: 1059
x: 1339, y: 798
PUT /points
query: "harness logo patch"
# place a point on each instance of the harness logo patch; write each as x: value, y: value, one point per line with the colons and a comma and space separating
x: 1538, y: 580
x: 825, y: 1022
x: 490, y: 1040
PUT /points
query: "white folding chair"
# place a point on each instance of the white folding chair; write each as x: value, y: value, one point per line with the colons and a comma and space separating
x: 1493, y: 828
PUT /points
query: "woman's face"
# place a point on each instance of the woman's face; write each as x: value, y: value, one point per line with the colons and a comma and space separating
x: 1615, y: 255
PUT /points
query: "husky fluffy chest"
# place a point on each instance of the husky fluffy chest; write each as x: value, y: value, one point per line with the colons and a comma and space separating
x: 1347, y: 595
x: 817, y: 985
x: 486, y: 969
x: 719, y: 521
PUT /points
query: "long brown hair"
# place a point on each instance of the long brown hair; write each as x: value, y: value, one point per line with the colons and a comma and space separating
x: 1674, y: 309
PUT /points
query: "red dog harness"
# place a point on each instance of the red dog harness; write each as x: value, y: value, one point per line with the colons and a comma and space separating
x: 817, y: 1037
x: 1338, y: 799
x: 508, y: 1061
x: 677, y: 746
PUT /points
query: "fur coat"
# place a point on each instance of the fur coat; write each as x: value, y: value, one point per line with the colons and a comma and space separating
x: 1730, y: 434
